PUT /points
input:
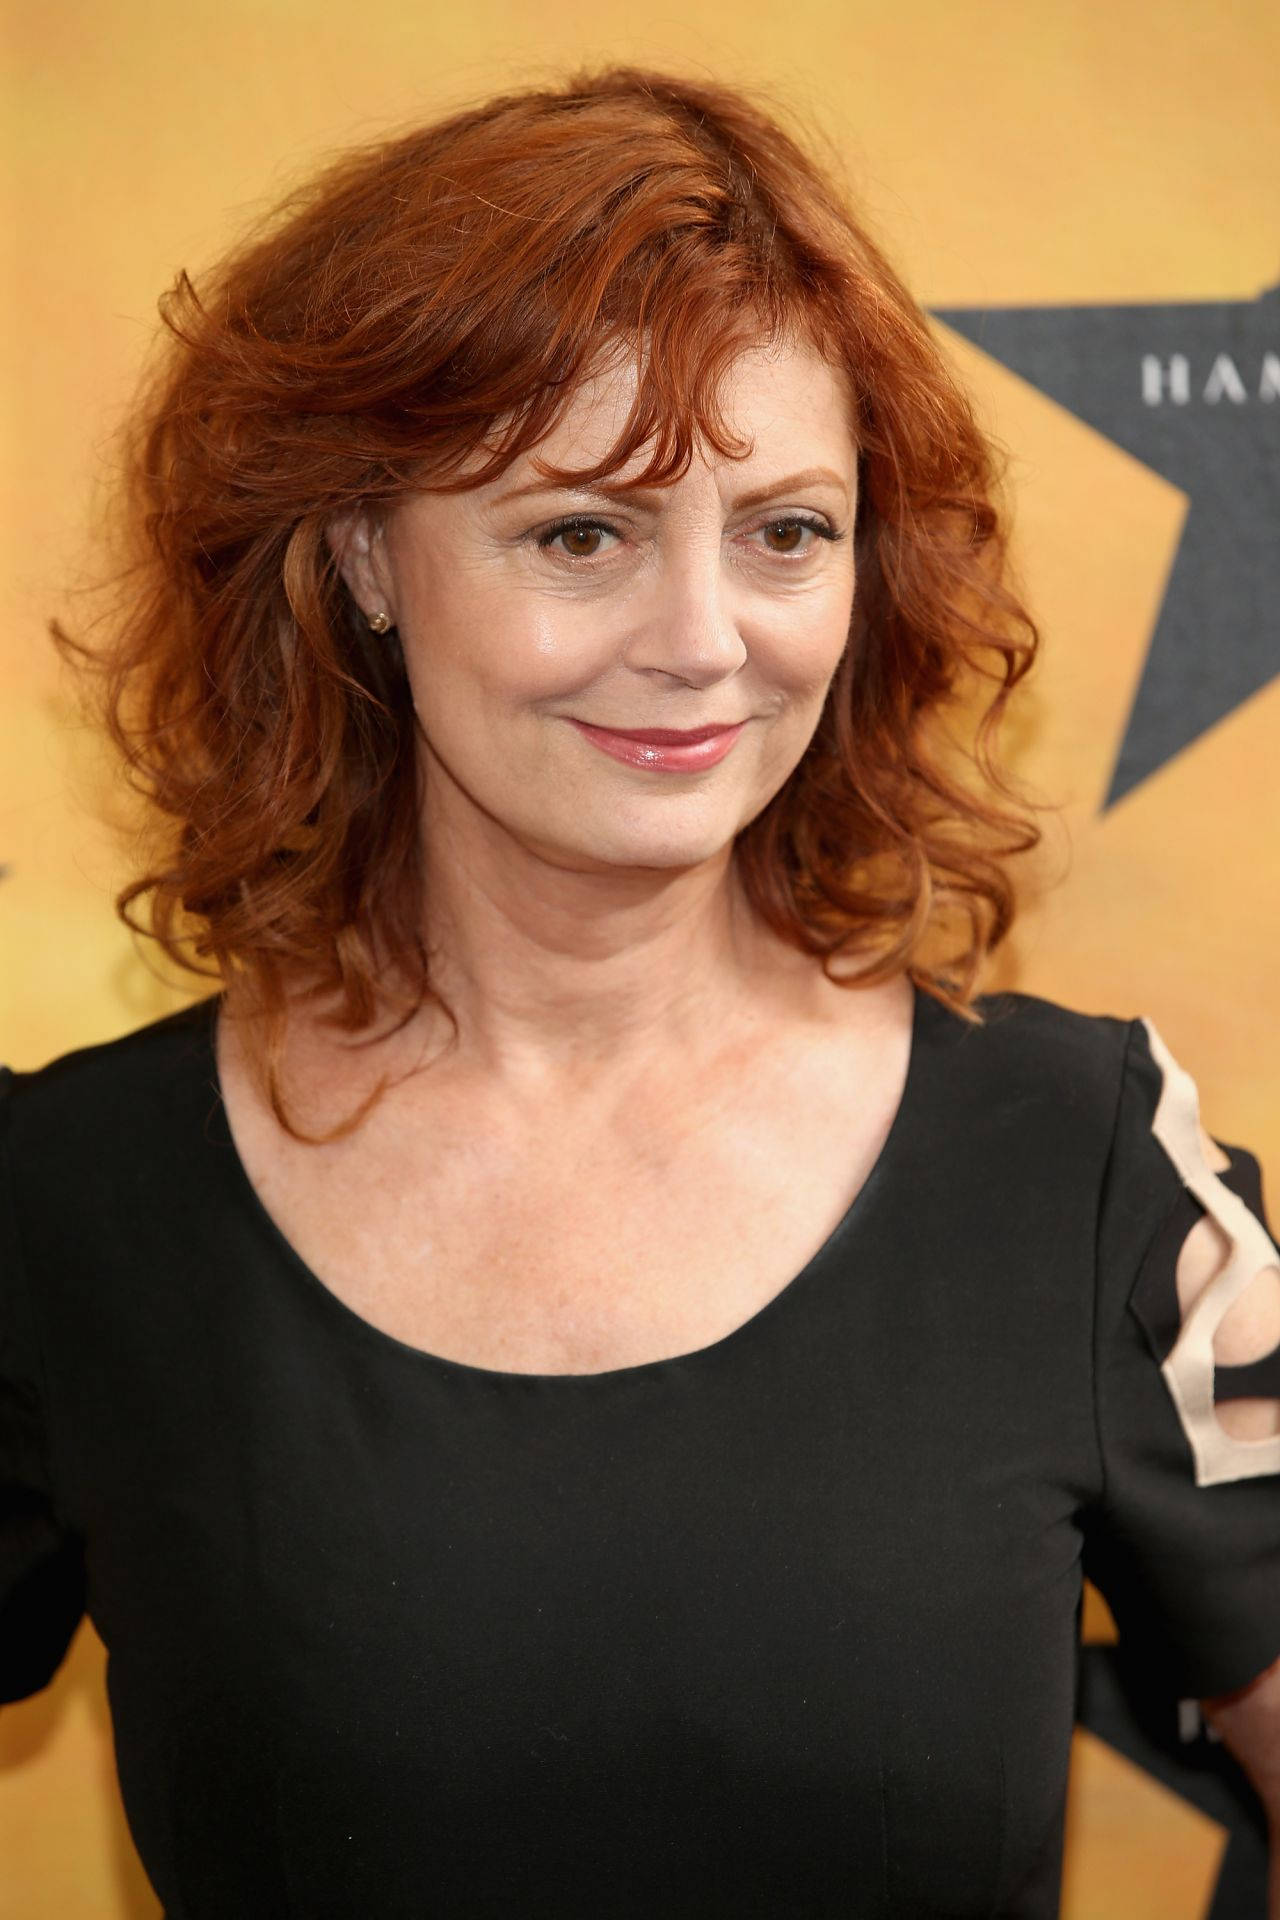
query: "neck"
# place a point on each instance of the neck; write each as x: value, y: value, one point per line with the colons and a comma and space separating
x: 553, y: 971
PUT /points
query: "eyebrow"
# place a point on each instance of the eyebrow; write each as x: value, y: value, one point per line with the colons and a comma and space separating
x: 603, y: 490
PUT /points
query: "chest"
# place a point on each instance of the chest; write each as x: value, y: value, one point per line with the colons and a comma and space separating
x: 585, y: 1243
x: 763, y: 1629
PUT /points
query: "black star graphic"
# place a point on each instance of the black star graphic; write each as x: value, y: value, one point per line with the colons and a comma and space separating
x: 1192, y: 390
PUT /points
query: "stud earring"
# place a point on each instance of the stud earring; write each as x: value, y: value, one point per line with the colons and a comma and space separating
x: 380, y: 622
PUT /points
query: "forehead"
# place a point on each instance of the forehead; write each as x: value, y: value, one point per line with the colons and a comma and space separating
x: 786, y: 402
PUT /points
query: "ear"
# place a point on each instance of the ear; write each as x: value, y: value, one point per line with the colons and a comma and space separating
x: 356, y: 541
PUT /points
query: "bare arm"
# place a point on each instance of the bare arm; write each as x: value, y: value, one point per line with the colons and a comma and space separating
x: 1248, y: 1722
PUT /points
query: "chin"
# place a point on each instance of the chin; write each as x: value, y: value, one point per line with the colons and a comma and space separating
x: 675, y: 852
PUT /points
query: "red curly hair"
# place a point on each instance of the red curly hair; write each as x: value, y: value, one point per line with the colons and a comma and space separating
x: 437, y: 296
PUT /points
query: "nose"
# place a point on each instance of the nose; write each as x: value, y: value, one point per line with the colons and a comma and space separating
x: 685, y: 625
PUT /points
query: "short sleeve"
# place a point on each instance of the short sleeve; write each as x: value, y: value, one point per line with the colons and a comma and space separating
x: 1184, y: 1541
x: 42, y: 1576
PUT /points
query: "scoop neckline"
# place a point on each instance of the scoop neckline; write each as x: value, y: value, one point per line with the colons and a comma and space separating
x: 253, y: 1210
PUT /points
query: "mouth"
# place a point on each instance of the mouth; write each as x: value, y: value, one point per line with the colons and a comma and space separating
x: 664, y: 749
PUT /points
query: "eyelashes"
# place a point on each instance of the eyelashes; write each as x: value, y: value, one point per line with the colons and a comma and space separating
x: 587, y: 524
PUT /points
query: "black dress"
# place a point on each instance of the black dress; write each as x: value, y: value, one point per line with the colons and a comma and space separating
x: 786, y: 1626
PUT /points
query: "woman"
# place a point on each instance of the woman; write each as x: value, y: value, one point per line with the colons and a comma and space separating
x: 584, y: 1380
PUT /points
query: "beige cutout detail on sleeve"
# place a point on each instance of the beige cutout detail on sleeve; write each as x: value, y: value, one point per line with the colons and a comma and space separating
x: 1188, y: 1370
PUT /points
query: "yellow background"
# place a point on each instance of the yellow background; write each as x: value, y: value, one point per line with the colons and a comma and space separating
x: 1044, y: 152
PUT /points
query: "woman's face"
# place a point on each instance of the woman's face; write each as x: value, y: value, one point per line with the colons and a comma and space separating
x: 723, y: 598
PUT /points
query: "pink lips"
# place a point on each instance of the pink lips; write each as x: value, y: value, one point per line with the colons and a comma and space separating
x: 661, y: 748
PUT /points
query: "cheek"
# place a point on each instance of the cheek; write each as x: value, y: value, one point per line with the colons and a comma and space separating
x: 495, y: 655
x: 803, y: 650
x: 558, y: 647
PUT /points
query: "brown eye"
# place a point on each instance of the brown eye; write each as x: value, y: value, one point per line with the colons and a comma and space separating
x: 580, y: 541
x: 791, y: 531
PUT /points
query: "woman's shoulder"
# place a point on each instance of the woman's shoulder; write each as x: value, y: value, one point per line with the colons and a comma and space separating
x: 1145, y: 1077
x: 1026, y: 1043
x: 103, y: 1146
x: 1135, y: 1093
x: 1036, y: 1019
x: 112, y: 1087
x: 1024, y: 1095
